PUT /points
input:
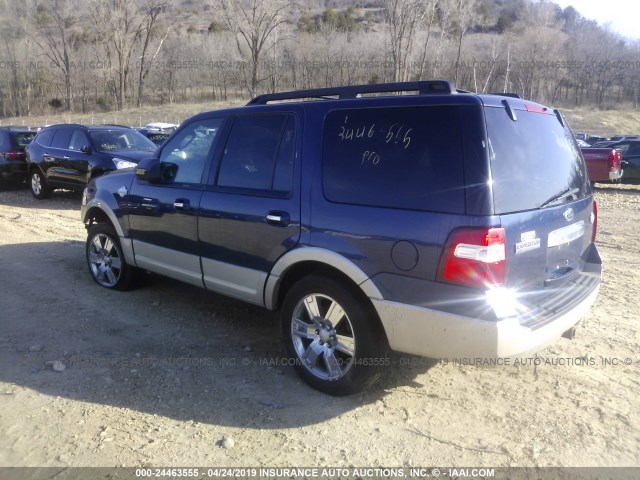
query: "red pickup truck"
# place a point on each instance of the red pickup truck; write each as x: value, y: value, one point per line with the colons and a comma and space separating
x: 603, y: 164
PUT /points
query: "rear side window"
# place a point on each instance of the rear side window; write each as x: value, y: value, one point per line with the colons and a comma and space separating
x: 533, y: 160
x: 44, y: 137
x: 61, y: 138
x: 409, y: 158
x: 259, y: 154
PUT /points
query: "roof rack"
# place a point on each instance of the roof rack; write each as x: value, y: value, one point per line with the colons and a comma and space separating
x: 427, y: 87
x: 512, y: 95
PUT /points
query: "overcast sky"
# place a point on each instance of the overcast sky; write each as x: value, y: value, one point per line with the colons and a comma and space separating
x: 623, y: 14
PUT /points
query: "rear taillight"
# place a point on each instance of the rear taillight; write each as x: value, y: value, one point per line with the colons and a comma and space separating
x: 594, y: 221
x: 615, y: 160
x: 474, y: 257
x: 14, y: 155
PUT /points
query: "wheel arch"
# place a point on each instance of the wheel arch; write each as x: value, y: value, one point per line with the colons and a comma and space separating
x: 96, y: 212
x: 306, y: 261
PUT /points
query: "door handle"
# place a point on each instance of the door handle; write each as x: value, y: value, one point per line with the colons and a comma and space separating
x: 182, y: 204
x: 278, y: 218
x: 65, y: 158
x: 47, y: 158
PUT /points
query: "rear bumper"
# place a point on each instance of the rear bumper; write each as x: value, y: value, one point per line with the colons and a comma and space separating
x: 615, y: 175
x: 436, y: 334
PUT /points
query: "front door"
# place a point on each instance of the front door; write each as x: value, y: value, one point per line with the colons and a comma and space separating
x: 163, y: 217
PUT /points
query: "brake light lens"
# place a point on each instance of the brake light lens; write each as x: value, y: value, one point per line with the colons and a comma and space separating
x: 594, y: 221
x: 475, y: 257
x: 14, y: 155
x: 615, y: 160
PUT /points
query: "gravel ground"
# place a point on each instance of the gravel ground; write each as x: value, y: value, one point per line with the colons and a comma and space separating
x: 169, y: 375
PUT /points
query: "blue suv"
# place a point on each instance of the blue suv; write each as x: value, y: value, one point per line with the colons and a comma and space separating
x: 439, y: 223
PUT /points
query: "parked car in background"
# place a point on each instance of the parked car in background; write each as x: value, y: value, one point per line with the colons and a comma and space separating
x: 442, y: 224
x: 13, y: 160
x: 630, y: 159
x: 603, y: 164
x: 618, y: 138
x: 68, y: 156
x: 593, y: 139
x: 155, y: 136
x: 161, y: 127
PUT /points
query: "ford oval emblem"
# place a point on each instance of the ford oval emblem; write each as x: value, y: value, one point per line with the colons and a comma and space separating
x: 568, y: 214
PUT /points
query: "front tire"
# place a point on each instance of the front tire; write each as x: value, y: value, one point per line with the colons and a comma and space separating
x: 39, y: 187
x: 333, y: 335
x: 106, y: 261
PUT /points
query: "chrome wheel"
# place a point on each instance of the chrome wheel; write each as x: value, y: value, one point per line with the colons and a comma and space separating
x: 105, y: 260
x: 36, y: 184
x: 323, y: 337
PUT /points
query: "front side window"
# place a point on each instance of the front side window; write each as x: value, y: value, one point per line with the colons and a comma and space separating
x: 190, y: 148
x: 78, y: 140
x: 259, y: 154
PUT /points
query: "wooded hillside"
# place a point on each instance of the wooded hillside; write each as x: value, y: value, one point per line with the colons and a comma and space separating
x: 102, y: 55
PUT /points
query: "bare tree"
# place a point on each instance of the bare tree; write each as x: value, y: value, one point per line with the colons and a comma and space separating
x: 121, y: 23
x: 153, y: 11
x: 54, y: 21
x: 463, y: 14
x: 402, y: 16
x: 254, y: 22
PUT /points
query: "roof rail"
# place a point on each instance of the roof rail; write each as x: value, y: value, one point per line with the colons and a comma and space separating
x: 426, y: 87
x: 506, y: 94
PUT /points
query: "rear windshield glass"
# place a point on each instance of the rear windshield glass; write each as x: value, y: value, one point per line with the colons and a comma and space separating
x: 534, y: 160
x: 121, y: 140
x: 409, y: 158
x: 22, y: 139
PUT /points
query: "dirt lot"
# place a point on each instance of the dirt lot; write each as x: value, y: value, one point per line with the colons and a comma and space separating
x: 160, y: 376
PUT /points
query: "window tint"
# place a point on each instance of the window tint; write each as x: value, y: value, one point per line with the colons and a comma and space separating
x: 408, y: 158
x: 259, y: 153
x: 634, y: 149
x: 79, y: 139
x: 533, y: 160
x: 5, y: 143
x: 61, y: 138
x: 22, y: 139
x: 45, y: 136
x: 190, y: 148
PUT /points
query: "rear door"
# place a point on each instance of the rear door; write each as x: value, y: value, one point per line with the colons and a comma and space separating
x: 56, y: 156
x: 250, y: 211
x: 541, y: 193
x: 163, y: 217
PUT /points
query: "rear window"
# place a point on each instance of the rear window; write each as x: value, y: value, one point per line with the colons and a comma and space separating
x: 22, y: 139
x: 408, y: 158
x: 533, y: 160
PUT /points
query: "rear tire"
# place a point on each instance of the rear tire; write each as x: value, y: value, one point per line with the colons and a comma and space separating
x: 39, y: 187
x: 333, y: 335
x: 106, y: 262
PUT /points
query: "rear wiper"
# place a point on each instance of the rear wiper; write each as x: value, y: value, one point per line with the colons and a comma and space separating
x: 556, y: 199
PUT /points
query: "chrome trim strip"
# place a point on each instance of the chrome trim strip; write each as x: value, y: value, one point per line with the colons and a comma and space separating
x: 566, y: 234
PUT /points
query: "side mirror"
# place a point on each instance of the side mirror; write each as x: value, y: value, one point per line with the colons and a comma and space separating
x: 86, y: 149
x: 153, y: 171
